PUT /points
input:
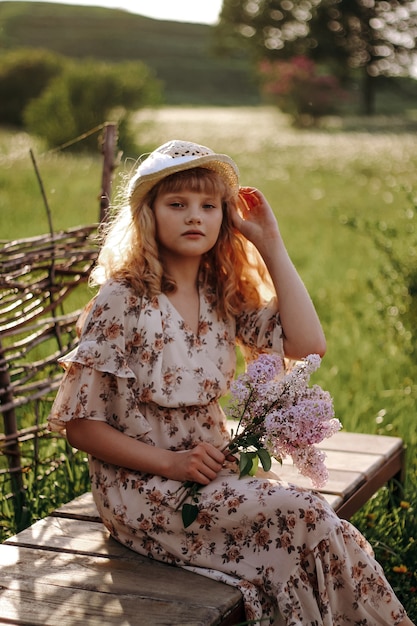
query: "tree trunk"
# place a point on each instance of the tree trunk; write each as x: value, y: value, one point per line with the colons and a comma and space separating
x: 368, y: 93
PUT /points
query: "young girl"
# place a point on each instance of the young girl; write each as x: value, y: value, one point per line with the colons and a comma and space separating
x: 181, y: 273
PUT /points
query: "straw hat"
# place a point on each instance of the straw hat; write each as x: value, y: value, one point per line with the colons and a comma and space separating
x: 176, y: 156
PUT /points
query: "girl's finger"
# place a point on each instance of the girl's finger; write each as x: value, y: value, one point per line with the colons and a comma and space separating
x: 248, y: 197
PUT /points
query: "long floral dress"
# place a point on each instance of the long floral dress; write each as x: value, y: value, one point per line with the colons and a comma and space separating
x: 139, y: 368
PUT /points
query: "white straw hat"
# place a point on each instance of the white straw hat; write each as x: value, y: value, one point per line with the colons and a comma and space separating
x: 176, y: 156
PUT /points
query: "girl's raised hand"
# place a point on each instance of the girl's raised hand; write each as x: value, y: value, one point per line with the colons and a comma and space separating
x: 254, y: 217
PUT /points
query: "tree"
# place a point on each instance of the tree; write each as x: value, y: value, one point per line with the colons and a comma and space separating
x: 376, y: 37
x: 24, y: 74
x: 299, y: 89
x: 87, y: 95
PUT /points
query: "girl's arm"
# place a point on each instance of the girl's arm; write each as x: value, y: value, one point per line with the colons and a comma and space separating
x: 302, y: 330
x: 200, y: 464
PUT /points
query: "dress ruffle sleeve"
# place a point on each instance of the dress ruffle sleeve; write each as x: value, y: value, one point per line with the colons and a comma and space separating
x: 106, y: 357
x: 260, y: 331
x: 99, y: 383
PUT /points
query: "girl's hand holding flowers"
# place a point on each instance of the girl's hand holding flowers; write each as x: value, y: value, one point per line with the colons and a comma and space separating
x: 201, y: 464
x: 277, y: 415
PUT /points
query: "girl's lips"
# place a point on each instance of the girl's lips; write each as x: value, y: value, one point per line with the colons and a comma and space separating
x: 193, y: 233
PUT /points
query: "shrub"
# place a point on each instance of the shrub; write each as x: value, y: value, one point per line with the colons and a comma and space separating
x: 298, y: 88
x: 87, y: 95
x: 24, y: 74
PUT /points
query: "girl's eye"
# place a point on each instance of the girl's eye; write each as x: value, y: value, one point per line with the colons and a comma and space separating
x: 176, y: 205
x: 209, y: 206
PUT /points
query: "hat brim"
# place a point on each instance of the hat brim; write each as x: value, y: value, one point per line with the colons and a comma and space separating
x: 220, y: 163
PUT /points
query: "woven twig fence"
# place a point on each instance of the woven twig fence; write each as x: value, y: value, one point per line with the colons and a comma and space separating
x: 39, y: 307
x: 37, y: 321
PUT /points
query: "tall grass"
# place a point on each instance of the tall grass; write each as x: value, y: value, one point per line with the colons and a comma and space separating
x: 345, y: 197
x: 72, y: 186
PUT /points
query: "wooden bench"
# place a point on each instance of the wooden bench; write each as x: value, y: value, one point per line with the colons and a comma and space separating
x: 65, y: 570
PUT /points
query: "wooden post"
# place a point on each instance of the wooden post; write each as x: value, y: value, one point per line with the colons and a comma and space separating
x: 12, y: 448
x: 108, y: 150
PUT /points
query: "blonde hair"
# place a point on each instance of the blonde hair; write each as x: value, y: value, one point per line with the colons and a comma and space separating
x: 232, y: 270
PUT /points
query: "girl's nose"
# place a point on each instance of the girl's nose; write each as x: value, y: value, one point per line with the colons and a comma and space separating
x: 194, y: 218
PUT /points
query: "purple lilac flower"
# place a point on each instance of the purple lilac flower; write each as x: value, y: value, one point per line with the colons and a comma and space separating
x: 264, y: 369
x: 283, y: 414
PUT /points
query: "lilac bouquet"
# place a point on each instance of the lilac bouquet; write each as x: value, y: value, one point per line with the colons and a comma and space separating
x: 278, y: 415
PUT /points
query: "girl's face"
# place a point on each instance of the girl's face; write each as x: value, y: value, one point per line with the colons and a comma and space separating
x: 187, y: 222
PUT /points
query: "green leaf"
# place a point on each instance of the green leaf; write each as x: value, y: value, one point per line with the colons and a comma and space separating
x: 265, y: 459
x: 255, y: 464
x: 245, y: 463
x: 189, y: 514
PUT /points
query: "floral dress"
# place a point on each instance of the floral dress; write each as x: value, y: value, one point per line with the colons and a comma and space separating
x: 139, y: 368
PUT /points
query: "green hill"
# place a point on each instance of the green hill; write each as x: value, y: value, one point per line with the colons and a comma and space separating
x: 180, y: 54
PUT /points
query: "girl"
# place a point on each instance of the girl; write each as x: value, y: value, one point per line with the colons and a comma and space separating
x: 181, y: 274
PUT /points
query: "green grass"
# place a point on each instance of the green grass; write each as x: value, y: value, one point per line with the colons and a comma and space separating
x: 336, y: 191
x: 71, y: 184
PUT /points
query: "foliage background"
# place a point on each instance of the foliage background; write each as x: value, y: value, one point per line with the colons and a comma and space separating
x: 180, y: 55
x: 192, y: 64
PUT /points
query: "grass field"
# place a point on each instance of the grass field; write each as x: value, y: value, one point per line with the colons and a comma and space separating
x: 318, y: 182
x: 345, y: 196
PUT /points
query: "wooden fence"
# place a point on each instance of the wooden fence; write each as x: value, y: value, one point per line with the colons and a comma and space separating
x: 38, y: 311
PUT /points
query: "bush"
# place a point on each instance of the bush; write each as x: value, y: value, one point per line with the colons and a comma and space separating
x: 298, y: 88
x: 87, y: 95
x: 24, y: 74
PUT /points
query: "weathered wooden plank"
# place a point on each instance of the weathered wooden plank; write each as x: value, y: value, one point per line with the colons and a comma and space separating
x: 73, y: 589
x: 82, y: 507
x: 341, y: 482
x: 69, y: 535
x: 392, y: 468
x: 347, y: 472
x: 361, y: 462
x: 362, y: 442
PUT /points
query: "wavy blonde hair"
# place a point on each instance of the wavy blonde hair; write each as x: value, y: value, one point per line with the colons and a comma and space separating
x: 232, y: 270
